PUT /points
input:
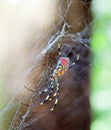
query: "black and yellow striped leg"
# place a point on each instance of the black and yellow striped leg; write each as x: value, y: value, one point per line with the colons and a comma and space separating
x: 47, y: 97
x: 59, y: 49
x: 56, y: 95
x: 44, y: 91
x: 77, y: 59
x: 50, y: 89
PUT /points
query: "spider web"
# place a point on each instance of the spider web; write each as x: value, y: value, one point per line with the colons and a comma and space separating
x: 15, y: 113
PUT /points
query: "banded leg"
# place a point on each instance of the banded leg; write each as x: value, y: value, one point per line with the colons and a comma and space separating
x: 77, y: 59
x: 45, y: 90
x: 59, y: 49
x: 56, y: 95
x: 47, y: 97
x: 50, y: 87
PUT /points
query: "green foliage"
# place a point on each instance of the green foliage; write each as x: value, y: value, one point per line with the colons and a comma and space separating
x: 6, y: 115
x: 101, y: 70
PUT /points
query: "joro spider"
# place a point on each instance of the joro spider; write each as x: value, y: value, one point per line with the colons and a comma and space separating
x: 62, y: 66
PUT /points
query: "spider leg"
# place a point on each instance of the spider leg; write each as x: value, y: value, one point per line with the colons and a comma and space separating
x: 29, y: 89
x: 27, y: 105
x: 50, y: 87
x: 47, y: 97
x: 56, y: 94
x: 59, y: 49
x: 44, y: 90
x: 77, y: 59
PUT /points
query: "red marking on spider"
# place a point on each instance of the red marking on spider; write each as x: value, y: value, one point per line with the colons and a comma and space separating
x: 64, y: 61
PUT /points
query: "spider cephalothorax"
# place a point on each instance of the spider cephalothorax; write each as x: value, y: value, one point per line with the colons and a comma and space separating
x: 62, y: 67
x: 59, y: 71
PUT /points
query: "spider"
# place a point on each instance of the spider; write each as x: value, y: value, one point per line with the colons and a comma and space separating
x: 61, y: 67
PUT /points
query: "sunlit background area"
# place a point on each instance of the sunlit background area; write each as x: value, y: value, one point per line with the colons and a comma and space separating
x: 20, y: 21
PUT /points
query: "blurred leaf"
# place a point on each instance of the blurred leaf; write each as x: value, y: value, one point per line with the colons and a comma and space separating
x: 101, y: 70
